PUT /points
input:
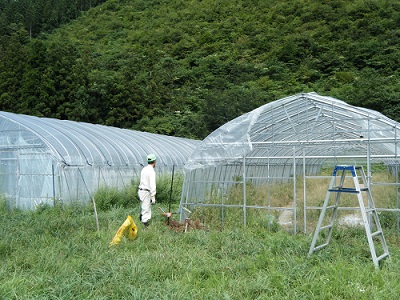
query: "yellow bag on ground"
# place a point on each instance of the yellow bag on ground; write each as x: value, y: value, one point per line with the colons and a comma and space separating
x: 127, y: 229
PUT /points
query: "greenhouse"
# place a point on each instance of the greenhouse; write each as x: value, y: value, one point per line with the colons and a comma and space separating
x: 278, y: 159
x: 45, y: 160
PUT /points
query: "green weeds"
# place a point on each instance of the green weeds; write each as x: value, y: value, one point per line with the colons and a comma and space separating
x: 125, y: 197
x: 56, y: 253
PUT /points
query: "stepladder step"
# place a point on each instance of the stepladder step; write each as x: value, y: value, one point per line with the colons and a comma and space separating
x: 382, y: 256
x: 326, y: 227
x: 320, y: 246
x: 376, y: 233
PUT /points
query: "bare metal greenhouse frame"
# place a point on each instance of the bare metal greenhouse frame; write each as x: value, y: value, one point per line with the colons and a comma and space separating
x: 44, y: 160
x: 295, y: 141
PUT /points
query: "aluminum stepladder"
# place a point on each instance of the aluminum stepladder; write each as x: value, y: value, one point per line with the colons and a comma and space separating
x: 369, y: 214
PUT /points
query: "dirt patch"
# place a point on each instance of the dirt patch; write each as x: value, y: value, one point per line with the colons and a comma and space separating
x: 185, y: 226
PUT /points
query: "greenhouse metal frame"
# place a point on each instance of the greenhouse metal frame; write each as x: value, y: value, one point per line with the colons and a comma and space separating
x: 291, y: 141
x: 45, y: 160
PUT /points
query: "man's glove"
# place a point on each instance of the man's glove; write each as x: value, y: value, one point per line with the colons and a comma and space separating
x: 153, y: 200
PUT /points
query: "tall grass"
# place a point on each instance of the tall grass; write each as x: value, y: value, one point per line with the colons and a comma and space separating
x: 168, y: 191
x: 280, y: 196
x: 57, y: 253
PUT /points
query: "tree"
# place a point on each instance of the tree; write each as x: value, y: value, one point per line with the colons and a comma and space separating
x: 13, y: 51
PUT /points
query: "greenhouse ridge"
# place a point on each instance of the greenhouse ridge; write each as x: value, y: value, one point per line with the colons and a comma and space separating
x: 308, y: 122
x: 80, y: 144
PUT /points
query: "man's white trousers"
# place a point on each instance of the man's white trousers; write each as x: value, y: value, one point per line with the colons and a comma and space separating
x: 145, y: 202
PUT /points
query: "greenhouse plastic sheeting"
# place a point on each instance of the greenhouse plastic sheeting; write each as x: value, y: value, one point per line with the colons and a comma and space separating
x: 43, y: 159
x: 280, y: 142
x: 308, y: 122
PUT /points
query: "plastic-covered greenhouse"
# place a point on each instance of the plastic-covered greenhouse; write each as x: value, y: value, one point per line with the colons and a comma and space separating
x: 278, y: 159
x: 44, y: 159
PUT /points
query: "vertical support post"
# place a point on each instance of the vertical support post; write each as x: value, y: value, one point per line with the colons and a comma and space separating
x: 187, y: 177
x: 54, y: 184
x: 222, y: 205
x: 64, y: 175
x: 369, y: 154
x: 304, y: 193
x: 170, y: 192
x: 294, y: 192
x: 397, y: 179
x: 77, y: 184
x: 98, y: 178
x: 269, y: 191
x: 17, y: 187
x: 244, y: 191
x: 60, y: 185
x: 93, y: 202
x: 122, y: 177
x: 368, y: 183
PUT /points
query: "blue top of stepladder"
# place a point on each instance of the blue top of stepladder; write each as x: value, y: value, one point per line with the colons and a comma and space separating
x: 343, y: 168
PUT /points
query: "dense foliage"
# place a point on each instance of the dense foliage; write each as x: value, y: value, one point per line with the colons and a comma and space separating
x: 183, y: 68
x: 37, y: 16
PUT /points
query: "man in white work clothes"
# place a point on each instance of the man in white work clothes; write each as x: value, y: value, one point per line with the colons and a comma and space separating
x: 147, y: 189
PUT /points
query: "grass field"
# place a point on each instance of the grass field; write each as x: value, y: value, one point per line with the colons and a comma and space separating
x: 57, y: 253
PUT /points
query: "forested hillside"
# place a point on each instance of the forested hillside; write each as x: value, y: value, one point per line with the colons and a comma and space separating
x: 185, y: 67
x: 37, y: 16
